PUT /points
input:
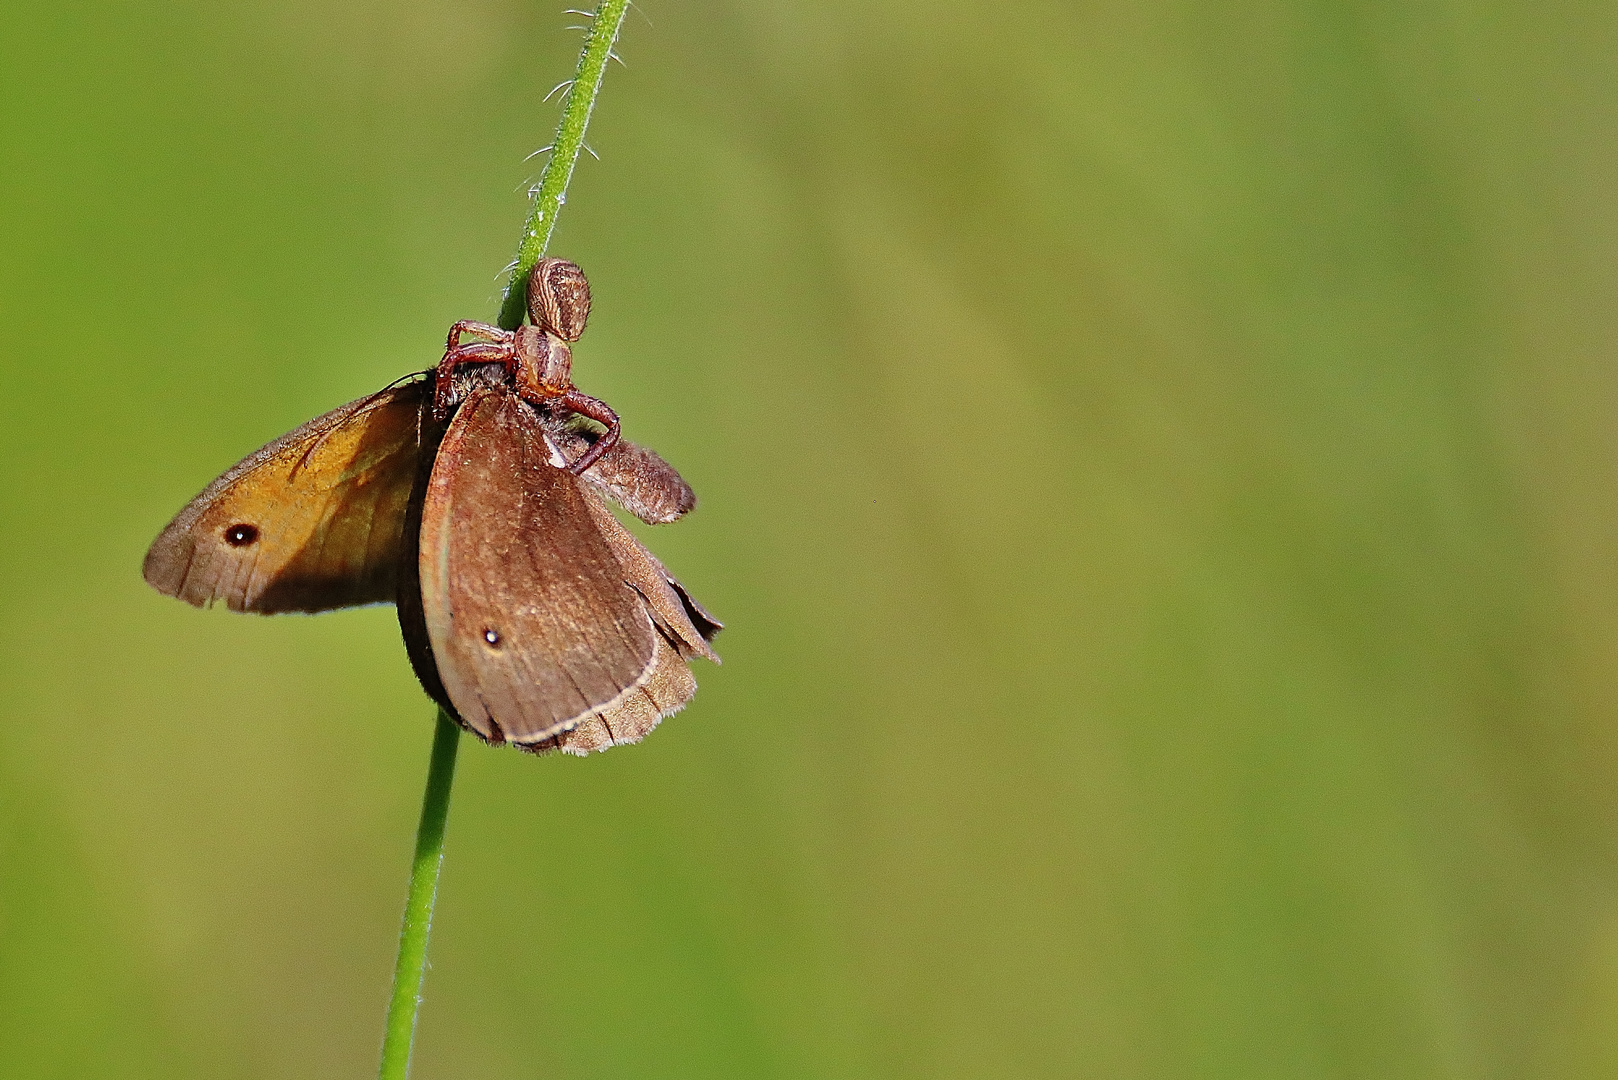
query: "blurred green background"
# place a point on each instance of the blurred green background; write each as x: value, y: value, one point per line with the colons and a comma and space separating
x: 1157, y: 466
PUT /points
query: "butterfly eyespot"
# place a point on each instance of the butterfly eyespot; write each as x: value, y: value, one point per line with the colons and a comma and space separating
x: 240, y: 535
x: 492, y: 638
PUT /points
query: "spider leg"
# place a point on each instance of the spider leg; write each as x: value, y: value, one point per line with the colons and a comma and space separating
x: 482, y: 331
x: 602, y: 413
x: 476, y: 353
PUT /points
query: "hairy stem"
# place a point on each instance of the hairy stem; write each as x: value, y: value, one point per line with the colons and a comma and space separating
x: 552, y: 190
x: 548, y: 198
x: 418, y: 916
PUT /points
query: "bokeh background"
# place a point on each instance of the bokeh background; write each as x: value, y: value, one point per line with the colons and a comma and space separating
x: 1158, y: 465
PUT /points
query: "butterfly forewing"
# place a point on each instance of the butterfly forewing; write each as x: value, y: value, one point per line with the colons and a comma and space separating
x: 531, y: 623
x: 311, y: 522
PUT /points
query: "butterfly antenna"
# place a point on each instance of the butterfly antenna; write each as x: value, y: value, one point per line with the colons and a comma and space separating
x: 359, y: 410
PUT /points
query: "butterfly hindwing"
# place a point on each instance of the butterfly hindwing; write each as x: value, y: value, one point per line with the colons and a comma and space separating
x: 684, y: 629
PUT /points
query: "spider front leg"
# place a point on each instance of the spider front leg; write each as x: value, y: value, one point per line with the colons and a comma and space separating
x: 602, y: 413
x: 482, y: 331
x: 493, y: 345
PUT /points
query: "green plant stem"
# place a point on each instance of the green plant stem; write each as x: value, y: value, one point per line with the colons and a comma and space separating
x: 408, y: 972
x: 418, y: 916
x: 552, y: 190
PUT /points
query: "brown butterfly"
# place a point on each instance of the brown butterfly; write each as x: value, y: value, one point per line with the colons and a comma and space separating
x: 475, y: 501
